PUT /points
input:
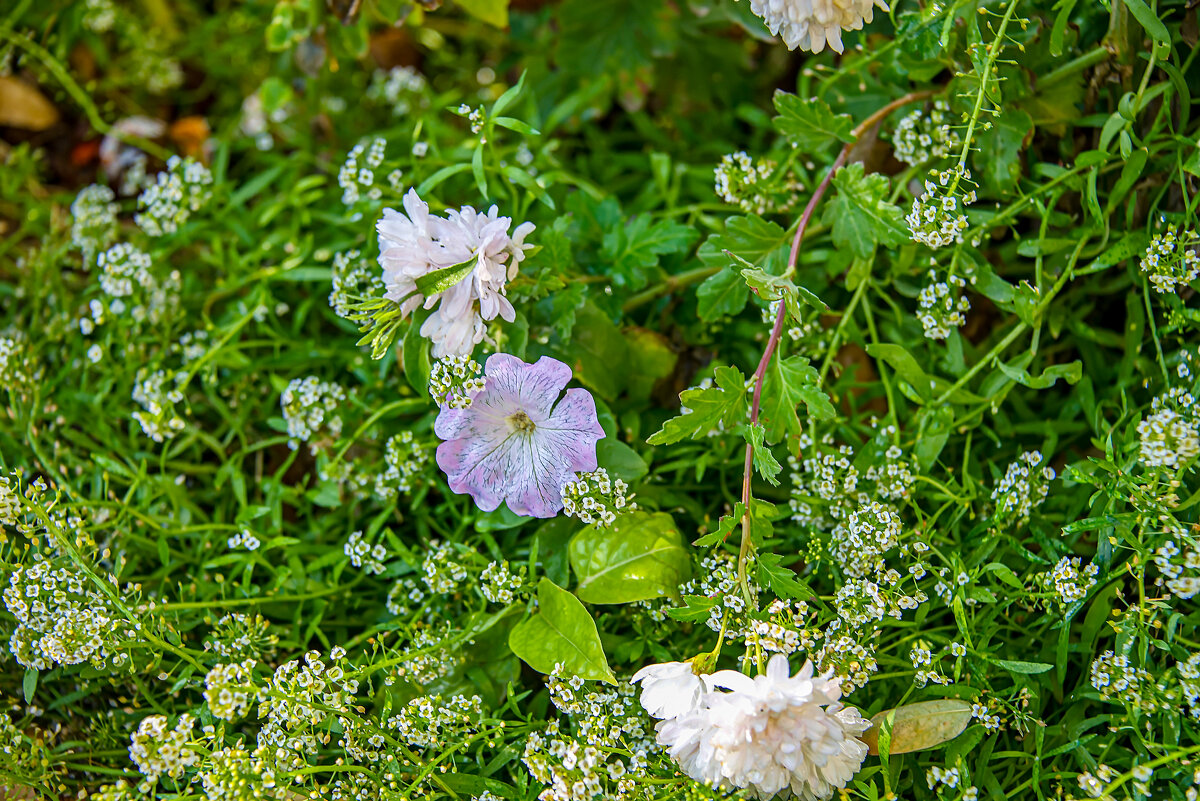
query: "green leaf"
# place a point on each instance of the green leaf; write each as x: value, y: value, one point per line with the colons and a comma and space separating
x: 640, y: 558
x: 860, y: 215
x: 29, y: 684
x: 596, y: 345
x: 810, y: 123
x: 764, y: 461
x: 651, y: 359
x: 999, y: 153
x: 695, y: 609
x: 1024, y: 668
x: 620, y: 460
x: 415, y: 354
x: 788, y: 383
x: 721, y: 295
x: 560, y: 632
x: 1150, y: 21
x: 513, y: 92
x: 435, y: 281
x: 634, y: 248
x: 724, y: 403
x: 1070, y: 372
x: 752, y: 238
x: 782, y: 580
x: 919, y: 726
x: 724, y: 527
x: 493, y: 12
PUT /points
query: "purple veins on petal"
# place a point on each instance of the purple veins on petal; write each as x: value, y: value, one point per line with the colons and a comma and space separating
x: 521, y: 439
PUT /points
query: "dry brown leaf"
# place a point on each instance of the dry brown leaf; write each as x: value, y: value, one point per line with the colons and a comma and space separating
x: 23, y: 106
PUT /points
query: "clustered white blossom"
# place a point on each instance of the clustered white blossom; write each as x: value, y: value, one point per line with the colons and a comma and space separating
x: 427, y: 657
x: 229, y: 689
x: 936, y: 218
x: 18, y: 367
x: 1182, y: 585
x: 893, y: 477
x: 235, y: 773
x: 404, y: 459
x: 174, y: 196
x: 860, y: 541
x: 358, y: 171
x: 811, y: 24
x: 1170, y: 436
x: 595, y: 498
x: 782, y: 630
x: 1023, y: 488
x: 413, y: 246
x: 990, y: 720
x: 300, y: 697
x: 442, y: 572
x: 603, y: 751
x: 1068, y: 581
x: 158, y: 749
x: 1189, y: 683
x: 93, y: 220
x: 354, y: 280
x: 431, y: 721
x: 157, y: 393
x: 243, y: 539
x: 1118, y: 680
x: 768, y: 734
x: 455, y: 380
x: 717, y: 579
x: 754, y: 188
x: 122, y: 266
x: 926, y: 665
x: 403, y: 595
x: 239, y: 636
x: 1172, y: 261
x: 499, y: 584
x: 397, y: 88
x: 473, y: 115
x: 943, y: 307
x: 62, y: 618
x: 311, y: 408
x: 922, y: 137
x: 365, y: 555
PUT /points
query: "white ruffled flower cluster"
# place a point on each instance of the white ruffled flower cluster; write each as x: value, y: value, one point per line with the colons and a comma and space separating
x: 454, y: 381
x: 936, y: 218
x: 413, y: 246
x: 811, y: 24
x: 157, y: 749
x: 174, y: 196
x: 921, y: 137
x: 1023, y: 488
x: 1170, y: 436
x: 1173, y: 260
x: 229, y: 689
x: 304, y: 695
x: 943, y: 307
x: 310, y: 407
x: 93, y: 220
x: 768, y: 734
x: 595, y: 498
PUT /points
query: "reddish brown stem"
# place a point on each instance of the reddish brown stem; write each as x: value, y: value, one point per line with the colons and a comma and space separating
x: 777, y: 328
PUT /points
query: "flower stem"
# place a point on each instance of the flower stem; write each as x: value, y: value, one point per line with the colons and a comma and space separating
x: 777, y: 329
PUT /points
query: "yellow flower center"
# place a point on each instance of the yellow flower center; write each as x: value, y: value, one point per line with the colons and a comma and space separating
x: 521, y: 423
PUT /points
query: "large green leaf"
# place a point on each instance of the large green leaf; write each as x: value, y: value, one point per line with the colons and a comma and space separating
x: 493, y: 12
x: 640, y: 558
x: 560, y: 632
x: 917, y: 727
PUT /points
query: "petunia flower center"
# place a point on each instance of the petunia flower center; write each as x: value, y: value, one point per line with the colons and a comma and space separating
x: 520, y: 423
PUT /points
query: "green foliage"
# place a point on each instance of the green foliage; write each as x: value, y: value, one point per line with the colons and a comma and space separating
x: 560, y: 632
x: 640, y: 558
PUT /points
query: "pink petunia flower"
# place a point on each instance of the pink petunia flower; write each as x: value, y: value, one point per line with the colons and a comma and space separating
x: 517, y: 441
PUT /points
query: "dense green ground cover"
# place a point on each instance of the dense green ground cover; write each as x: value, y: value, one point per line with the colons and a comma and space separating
x: 930, y: 303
